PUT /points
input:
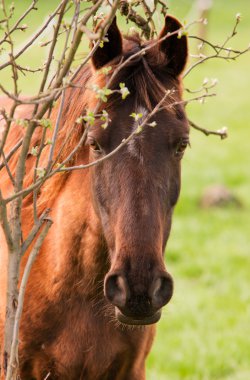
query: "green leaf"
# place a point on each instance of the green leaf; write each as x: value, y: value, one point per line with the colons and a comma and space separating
x: 102, y: 93
x: 153, y: 124
x: 107, y: 91
x: 95, y: 87
x: 136, y: 116
x: 40, y: 172
x: 124, y: 92
x: 182, y: 32
x: 139, y: 129
x: 45, y: 123
x: 106, y: 70
x: 79, y: 120
x: 34, y: 151
x: 104, y: 125
x: 89, y: 118
x: 58, y: 165
x: 22, y: 122
x: 104, y: 116
x: 238, y: 16
x: 103, y: 98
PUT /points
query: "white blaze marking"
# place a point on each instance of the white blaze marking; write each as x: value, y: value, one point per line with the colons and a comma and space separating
x: 134, y: 143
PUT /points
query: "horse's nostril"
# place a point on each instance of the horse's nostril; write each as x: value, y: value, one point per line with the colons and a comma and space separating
x: 116, y: 289
x: 162, y: 290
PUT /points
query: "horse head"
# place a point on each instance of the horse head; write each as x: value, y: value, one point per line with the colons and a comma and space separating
x: 136, y: 189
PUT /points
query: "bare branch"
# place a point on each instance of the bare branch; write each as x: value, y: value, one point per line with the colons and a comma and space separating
x: 6, y: 129
x: 34, y: 38
x: 10, y: 154
x: 54, y: 41
x: 13, y: 362
x: 33, y: 233
x: 54, y: 137
x: 220, y: 132
x: 16, y: 25
x: 232, y: 54
x: 5, y: 163
x: 131, y: 15
x: 4, y: 222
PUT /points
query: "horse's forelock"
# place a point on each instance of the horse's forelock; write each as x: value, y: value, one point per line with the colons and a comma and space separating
x: 145, y: 75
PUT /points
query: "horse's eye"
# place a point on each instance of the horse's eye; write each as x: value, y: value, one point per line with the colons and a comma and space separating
x: 94, y: 145
x: 181, y: 146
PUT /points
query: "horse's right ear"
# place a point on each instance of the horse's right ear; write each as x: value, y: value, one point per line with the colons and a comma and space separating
x: 111, y: 49
x: 174, y: 47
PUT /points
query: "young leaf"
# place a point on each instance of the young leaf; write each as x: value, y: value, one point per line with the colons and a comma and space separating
x: 139, y: 129
x: 22, y: 122
x: 34, y: 151
x: 89, y: 118
x: 40, y: 172
x: 153, y: 124
x: 124, y: 90
x: 136, y: 116
x: 106, y: 70
x: 45, y: 123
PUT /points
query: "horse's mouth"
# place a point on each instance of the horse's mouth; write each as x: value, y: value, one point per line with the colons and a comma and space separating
x: 137, y: 321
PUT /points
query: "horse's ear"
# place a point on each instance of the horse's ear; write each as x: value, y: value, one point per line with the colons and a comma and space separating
x: 175, y: 47
x: 111, y: 49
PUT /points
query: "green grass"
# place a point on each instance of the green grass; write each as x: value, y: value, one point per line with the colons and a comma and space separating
x: 204, y: 331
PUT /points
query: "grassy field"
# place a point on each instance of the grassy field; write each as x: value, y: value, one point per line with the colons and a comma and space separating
x: 204, y: 332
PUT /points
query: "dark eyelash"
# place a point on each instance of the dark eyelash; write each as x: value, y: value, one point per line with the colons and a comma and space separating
x: 95, y: 146
x: 181, y: 146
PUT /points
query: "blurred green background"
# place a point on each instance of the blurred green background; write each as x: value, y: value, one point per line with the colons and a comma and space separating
x: 204, y: 333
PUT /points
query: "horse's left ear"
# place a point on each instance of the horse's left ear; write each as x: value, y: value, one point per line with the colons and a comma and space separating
x: 111, y: 48
x: 175, y: 48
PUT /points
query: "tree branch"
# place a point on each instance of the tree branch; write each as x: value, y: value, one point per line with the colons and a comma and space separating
x: 220, y: 132
x: 13, y: 361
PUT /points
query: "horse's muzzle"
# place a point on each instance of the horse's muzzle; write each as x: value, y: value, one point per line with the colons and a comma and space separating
x: 141, y: 321
x: 138, y: 302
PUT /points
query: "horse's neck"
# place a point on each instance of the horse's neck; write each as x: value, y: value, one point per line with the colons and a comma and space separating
x: 73, y: 255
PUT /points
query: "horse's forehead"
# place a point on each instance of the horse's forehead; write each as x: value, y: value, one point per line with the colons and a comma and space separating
x: 141, y: 113
x: 134, y: 145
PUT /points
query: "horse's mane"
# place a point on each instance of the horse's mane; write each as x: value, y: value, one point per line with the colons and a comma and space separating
x: 146, y: 77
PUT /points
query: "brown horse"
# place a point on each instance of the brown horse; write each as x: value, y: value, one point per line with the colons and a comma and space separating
x: 101, y: 267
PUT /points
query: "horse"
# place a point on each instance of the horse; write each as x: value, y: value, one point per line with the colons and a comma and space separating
x: 98, y: 285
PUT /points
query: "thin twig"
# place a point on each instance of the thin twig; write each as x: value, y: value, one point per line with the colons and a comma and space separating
x: 6, y: 165
x: 55, y: 132
x: 33, y: 233
x: 4, y: 222
x: 220, y: 132
x: 34, y: 38
x: 10, y: 154
x: 41, y: 147
x: 127, y: 10
x: 7, y: 126
x: 52, y: 47
x: 15, y: 26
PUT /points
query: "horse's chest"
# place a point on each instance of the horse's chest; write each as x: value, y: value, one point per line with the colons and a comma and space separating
x: 85, y: 346
x: 84, y: 343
